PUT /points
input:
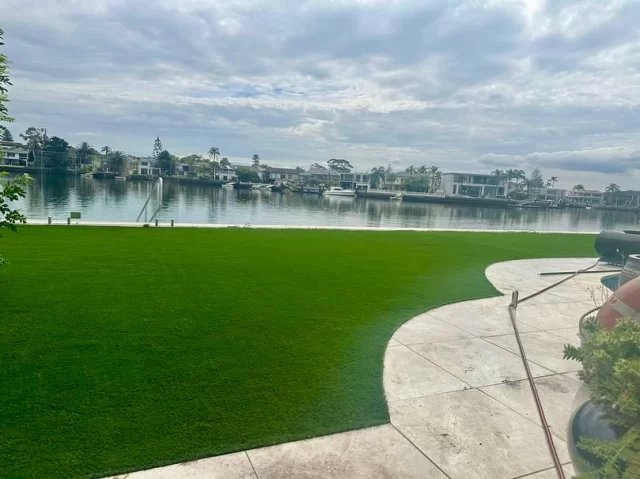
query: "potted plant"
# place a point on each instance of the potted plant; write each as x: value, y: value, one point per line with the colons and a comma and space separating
x: 604, y: 431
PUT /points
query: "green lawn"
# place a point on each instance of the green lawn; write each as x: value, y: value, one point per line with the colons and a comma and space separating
x: 123, y: 348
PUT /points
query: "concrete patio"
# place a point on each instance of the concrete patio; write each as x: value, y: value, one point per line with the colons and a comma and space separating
x: 459, y: 402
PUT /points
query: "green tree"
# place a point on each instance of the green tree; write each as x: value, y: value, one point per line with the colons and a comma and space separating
x: 35, y: 138
x: 256, y: 160
x: 214, y: 153
x: 118, y: 162
x: 106, y: 149
x: 612, y: 188
x: 246, y: 175
x: 377, y: 176
x: 6, y: 135
x: 11, y: 190
x: 165, y: 162
x: 31, y: 158
x: 224, y: 162
x: 411, y: 170
x: 578, y: 187
x: 536, y: 180
x: 5, y: 82
x: 318, y: 166
x: 84, y: 150
x: 433, y: 173
x: 422, y: 170
x: 339, y: 165
x: 57, y: 153
x: 157, y: 149
x: 553, y: 180
x: 418, y: 184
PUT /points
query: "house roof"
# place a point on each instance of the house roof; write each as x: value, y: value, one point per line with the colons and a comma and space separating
x: 319, y: 171
x: 282, y: 170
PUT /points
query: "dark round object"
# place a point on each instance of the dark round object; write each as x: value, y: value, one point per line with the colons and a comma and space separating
x: 614, y: 246
x: 589, y: 421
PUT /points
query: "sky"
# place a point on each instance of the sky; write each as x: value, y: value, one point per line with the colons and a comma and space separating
x: 465, y: 85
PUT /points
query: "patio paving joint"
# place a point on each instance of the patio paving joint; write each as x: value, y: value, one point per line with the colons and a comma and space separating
x: 420, y: 450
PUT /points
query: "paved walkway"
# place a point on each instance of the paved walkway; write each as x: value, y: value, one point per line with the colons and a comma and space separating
x: 459, y: 402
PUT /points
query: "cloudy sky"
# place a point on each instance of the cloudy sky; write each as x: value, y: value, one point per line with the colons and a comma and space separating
x: 466, y: 85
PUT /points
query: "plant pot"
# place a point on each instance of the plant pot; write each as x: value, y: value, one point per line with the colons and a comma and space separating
x: 588, y: 420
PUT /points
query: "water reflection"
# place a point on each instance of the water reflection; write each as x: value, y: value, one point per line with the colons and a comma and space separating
x: 116, y: 200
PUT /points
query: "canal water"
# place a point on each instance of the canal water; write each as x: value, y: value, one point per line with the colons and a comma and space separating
x: 118, y: 200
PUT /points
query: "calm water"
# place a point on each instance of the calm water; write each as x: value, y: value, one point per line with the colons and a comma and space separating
x: 111, y: 200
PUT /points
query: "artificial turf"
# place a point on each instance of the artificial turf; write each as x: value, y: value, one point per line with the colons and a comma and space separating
x: 123, y: 349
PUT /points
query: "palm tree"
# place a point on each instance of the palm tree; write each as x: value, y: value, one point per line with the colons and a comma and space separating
x: 578, y: 187
x: 411, y: 170
x: 256, y: 160
x: 422, y: 170
x: 377, y: 175
x: 553, y: 180
x: 84, y: 149
x: 612, y: 188
x: 118, y: 161
x: 433, y: 173
x: 106, y: 150
x: 214, y: 153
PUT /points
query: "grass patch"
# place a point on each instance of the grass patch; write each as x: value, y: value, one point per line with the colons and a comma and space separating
x: 123, y: 349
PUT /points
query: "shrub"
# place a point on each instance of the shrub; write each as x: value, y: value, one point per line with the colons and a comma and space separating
x: 611, y: 369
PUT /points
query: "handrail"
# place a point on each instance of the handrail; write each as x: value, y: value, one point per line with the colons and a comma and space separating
x: 158, y: 186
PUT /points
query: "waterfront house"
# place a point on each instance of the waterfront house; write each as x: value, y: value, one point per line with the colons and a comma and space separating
x: 225, y: 173
x: 623, y: 199
x: 548, y: 194
x: 271, y: 175
x: 318, y: 175
x: 355, y: 181
x: 584, y: 197
x: 15, y: 153
x: 474, y: 185
x: 145, y: 166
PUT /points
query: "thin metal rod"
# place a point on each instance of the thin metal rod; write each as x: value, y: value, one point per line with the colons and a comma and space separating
x: 534, y: 390
x: 584, y: 272
x: 543, y: 290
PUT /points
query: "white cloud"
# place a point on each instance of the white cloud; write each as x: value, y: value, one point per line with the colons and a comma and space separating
x: 464, y: 85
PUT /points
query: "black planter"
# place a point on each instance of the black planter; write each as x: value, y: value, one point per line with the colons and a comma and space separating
x: 589, y: 421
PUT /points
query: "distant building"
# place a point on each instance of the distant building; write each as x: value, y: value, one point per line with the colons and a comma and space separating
x: 225, y: 173
x: 584, y: 197
x: 144, y: 166
x: 355, y: 181
x: 548, y: 194
x: 271, y: 175
x: 626, y: 199
x: 474, y: 185
x: 14, y: 153
x: 319, y: 175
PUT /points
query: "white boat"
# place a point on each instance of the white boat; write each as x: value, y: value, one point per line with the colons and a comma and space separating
x: 337, y: 191
x: 397, y: 197
x: 87, y: 175
x: 229, y: 185
x: 120, y: 177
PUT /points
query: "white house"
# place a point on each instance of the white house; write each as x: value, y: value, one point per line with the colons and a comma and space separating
x: 474, y: 185
x: 225, y: 173
x: 584, y: 197
x: 144, y: 166
x: 355, y: 181
x: 14, y: 153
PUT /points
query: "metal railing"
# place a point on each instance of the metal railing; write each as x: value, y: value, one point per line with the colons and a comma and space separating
x: 157, y: 190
